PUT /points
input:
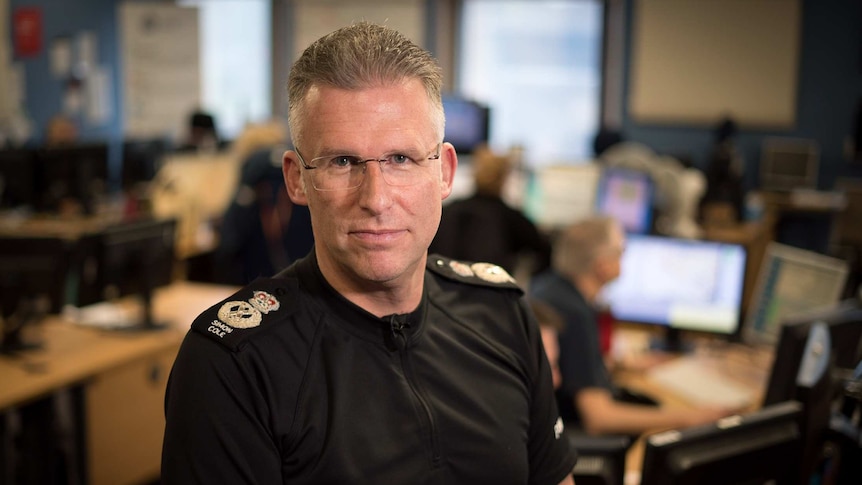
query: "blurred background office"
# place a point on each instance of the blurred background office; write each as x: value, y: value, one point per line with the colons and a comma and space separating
x: 613, y: 107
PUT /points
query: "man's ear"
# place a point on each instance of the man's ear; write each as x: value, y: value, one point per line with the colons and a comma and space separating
x: 448, y: 165
x: 292, y: 171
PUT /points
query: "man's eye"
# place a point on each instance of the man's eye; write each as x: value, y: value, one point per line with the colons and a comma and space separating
x: 400, y: 160
x: 342, y: 161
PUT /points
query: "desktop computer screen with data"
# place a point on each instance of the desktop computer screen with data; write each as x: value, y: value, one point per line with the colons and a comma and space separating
x: 683, y: 284
x: 791, y: 282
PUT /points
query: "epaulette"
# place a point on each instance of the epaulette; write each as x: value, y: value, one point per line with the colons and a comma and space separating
x: 257, y: 306
x: 472, y: 273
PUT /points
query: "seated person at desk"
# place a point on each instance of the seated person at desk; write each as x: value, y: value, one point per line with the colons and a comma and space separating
x: 262, y: 230
x: 483, y: 227
x: 586, y: 257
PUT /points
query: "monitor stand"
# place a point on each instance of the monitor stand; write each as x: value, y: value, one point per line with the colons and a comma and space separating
x: 13, y: 326
x: 671, y: 342
x: 148, y: 322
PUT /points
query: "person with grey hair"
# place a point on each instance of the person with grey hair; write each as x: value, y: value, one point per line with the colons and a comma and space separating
x: 586, y: 257
x: 369, y: 361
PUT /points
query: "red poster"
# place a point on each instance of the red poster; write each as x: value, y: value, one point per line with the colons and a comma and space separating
x: 27, y: 31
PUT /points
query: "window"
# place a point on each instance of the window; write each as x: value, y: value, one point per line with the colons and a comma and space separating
x: 236, y: 60
x: 537, y: 64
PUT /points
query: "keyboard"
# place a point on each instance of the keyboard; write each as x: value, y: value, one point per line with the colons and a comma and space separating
x: 700, y: 383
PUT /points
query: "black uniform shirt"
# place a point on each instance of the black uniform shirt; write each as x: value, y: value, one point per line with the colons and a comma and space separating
x: 582, y: 365
x: 288, y: 382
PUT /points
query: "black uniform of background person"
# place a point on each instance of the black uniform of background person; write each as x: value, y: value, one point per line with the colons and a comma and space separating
x: 368, y: 361
x: 482, y: 227
x: 582, y: 364
x: 261, y: 231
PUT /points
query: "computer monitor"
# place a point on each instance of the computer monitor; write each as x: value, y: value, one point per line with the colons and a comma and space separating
x: 18, y: 178
x: 844, y: 321
x: 33, y: 273
x: 560, y: 195
x: 681, y: 284
x: 627, y: 196
x: 789, y: 163
x: 132, y: 258
x: 791, y: 281
x: 141, y: 160
x: 601, y: 459
x: 810, y: 356
x: 755, y: 448
x: 76, y: 172
x: 467, y: 123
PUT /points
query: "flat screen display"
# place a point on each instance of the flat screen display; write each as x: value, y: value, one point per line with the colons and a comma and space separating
x: 792, y: 282
x: 467, y: 123
x: 679, y: 283
x: 626, y: 195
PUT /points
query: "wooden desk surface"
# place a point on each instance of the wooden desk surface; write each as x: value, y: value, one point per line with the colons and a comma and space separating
x: 72, y: 353
x: 48, y: 225
x: 746, y: 366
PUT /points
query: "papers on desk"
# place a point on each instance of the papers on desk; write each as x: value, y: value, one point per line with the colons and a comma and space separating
x: 104, y: 315
x: 700, y: 383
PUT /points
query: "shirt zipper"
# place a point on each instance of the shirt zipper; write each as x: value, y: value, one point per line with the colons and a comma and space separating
x: 397, y: 327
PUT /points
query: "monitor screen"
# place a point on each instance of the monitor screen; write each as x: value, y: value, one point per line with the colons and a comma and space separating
x: 467, y: 123
x: 627, y: 196
x: 33, y: 274
x: 748, y: 449
x: 788, y: 163
x: 34, y: 267
x: 791, y: 281
x: 132, y: 258
x: 559, y: 195
x: 73, y: 173
x: 18, y: 178
x: 683, y: 284
x: 142, y: 159
x: 808, y: 360
x: 844, y: 321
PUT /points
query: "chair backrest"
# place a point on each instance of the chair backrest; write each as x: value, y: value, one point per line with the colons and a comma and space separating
x: 601, y: 459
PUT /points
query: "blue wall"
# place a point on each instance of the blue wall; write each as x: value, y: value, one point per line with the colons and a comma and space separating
x: 830, y: 87
x: 44, y: 92
x: 68, y: 18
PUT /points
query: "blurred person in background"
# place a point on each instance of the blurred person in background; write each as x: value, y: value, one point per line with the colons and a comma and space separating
x: 483, y: 227
x: 587, y: 256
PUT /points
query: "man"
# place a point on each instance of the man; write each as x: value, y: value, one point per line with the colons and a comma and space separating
x: 587, y: 257
x: 367, y: 362
x: 483, y: 227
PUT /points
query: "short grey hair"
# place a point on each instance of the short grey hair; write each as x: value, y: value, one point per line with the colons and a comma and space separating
x: 360, y: 56
x: 578, y: 245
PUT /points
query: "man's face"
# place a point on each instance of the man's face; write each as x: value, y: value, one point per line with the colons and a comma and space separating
x: 609, y: 261
x: 376, y: 235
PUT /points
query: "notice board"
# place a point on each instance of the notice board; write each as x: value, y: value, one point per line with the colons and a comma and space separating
x: 160, y: 56
x: 696, y: 62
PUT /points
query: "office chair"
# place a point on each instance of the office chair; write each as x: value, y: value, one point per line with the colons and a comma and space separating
x: 601, y: 459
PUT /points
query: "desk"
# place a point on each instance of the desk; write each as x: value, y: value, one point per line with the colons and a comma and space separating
x: 743, y: 365
x: 48, y: 225
x: 122, y: 379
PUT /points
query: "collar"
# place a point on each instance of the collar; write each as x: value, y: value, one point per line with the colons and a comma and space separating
x: 393, y: 331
